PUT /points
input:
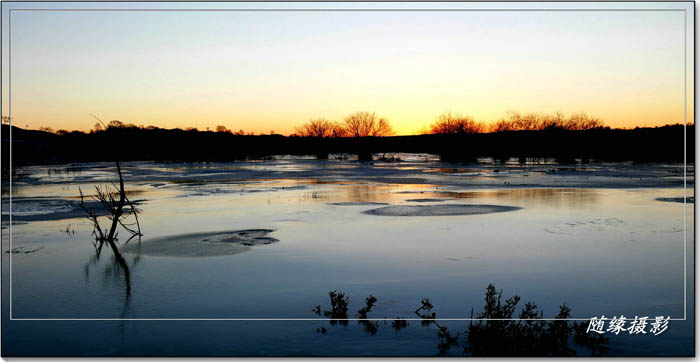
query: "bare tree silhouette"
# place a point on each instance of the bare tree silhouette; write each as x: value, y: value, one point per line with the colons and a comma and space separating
x: 541, y: 121
x: 321, y: 128
x: 222, y: 129
x: 448, y: 123
x: 365, y: 124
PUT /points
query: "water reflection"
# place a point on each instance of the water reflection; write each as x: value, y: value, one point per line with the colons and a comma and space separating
x: 367, y: 192
x: 114, y: 269
x: 339, y: 242
x: 566, y: 197
x: 496, y: 332
x: 450, y: 170
x: 348, y: 193
x: 396, y: 193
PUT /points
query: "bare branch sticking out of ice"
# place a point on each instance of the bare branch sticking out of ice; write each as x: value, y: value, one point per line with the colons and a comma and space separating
x: 439, y: 210
x: 203, y: 244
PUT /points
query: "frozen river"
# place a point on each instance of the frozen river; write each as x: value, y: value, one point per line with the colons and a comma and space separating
x: 603, y: 238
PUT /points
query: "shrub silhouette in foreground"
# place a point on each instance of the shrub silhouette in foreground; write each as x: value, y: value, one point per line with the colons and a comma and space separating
x: 494, y: 333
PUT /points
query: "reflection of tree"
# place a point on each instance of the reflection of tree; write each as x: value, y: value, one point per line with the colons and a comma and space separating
x: 112, y: 272
x: 528, y: 336
x: 364, y: 193
x: 114, y: 269
x: 495, y: 334
x: 339, y: 308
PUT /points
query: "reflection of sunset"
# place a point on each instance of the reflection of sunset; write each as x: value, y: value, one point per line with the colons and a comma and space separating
x: 568, y: 197
x: 362, y: 192
x: 272, y: 71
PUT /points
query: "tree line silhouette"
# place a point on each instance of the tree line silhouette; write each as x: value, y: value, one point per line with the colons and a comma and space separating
x: 360, y: 124
x: 365, y: 124
x: 456, y: 138
x: 448, y: 123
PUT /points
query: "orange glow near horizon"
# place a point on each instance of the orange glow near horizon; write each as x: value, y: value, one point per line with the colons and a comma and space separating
x: 410, y: 124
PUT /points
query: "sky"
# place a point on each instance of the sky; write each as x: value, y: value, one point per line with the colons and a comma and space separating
x: 264, y: 71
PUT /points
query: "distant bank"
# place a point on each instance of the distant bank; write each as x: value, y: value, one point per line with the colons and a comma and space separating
x: 659, y: 144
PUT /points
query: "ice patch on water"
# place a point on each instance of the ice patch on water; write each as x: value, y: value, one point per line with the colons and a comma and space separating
x: 202, y: 189
x: 244, y: 237
x: 23, y: 250
x: 203, y: 244
x: 597, y: 224
x: 690, y: 200
x: 357, y: 203
x: 426, y: 200
x: 43, y: 209
x: 439, y: 210
x: 35, y: 207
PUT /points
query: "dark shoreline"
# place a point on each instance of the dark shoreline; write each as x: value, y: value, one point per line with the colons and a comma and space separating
x: 642, y: 145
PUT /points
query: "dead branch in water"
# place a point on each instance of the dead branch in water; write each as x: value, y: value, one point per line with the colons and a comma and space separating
x: 114, y: 208
x: 114, y: 211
